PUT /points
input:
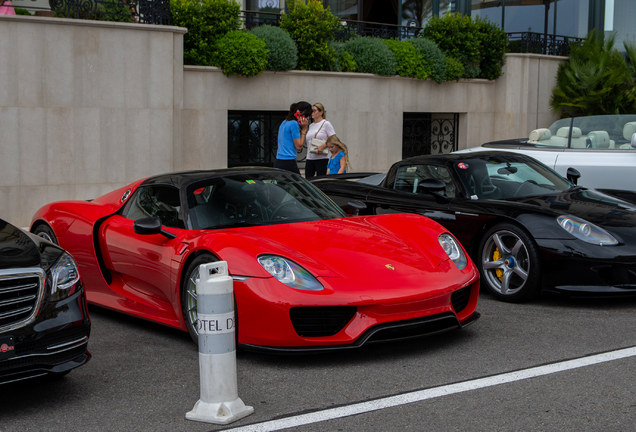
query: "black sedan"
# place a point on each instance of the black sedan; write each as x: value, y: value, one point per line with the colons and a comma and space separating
x: 44, y: 322
x: 525, y: 226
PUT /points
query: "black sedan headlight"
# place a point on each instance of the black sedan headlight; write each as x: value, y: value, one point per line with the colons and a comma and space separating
x: 453, y: 250
x: 289, y: 273
x: 586, y: 231
x: 64, y: 277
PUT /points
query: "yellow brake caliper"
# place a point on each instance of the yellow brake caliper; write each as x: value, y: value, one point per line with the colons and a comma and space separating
x: 495, y: 257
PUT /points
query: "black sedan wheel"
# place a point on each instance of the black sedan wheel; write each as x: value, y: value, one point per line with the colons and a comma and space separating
x: 46, y: 233
x: 189, y: 294
x: 509, y: 263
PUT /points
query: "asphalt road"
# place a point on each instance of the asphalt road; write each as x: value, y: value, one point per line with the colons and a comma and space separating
x: 144, y: 377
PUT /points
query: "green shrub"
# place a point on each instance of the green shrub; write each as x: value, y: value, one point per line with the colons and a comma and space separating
x: 311, y: 27
x: 372, y: 56
x: 454, y: 69
x: 456, y: 36
x: 493, y: 42
x: 347, y: 62
x: 596, y: 79
x: 109, y: 10
x: 433, y: 56
x: 410, y: 63
x: 240, y: 53
x: 206, y: 21
x: 283, y: 54
x: 20, y: 11
x: 344, y: 62
x: 117, y: 11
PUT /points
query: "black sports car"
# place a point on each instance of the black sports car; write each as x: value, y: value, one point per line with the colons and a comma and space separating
x: 44, y: 322
x: 525, y: 226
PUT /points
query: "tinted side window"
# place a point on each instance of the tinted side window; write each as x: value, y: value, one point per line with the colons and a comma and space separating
x: 156, y: 201
x: 408, y: 177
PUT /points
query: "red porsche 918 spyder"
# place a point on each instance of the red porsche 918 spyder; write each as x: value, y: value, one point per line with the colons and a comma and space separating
x: 306, y: 276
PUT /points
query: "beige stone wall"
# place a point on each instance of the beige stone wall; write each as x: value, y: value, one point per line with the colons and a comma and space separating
x: 88, y: 106
x: 522, y: 95
x: 366, y: 110
x: 85, y: 107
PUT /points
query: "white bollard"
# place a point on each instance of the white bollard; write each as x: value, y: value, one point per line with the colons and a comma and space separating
x: 219, y: 401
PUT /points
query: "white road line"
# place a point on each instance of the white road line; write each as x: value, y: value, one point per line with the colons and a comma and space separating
x: 420, y: 395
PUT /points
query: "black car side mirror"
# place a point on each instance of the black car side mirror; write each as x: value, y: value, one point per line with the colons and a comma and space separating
x: 354, y: 207
x: 573, y: 175
x: 151, y: 225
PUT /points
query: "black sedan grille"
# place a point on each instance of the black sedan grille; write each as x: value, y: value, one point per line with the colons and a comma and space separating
x: 460, y: 299
x: 320, y: 321
x: 48, y: 343
x: 20, y: 292
x: 46, y: 361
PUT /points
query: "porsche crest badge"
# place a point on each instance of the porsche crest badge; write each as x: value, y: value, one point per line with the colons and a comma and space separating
x: 389, y: 266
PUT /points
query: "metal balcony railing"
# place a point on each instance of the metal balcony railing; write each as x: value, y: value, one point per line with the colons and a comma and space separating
x: 541, y: 43
x: 133, y: 11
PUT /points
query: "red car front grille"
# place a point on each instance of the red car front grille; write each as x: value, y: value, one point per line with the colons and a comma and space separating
x: 320, y: 321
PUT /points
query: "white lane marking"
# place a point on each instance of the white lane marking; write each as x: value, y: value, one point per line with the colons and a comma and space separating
x: 420, y: 395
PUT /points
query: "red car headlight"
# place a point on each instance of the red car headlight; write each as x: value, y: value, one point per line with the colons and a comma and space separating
x: 453, y: 250
x: 289, y: 273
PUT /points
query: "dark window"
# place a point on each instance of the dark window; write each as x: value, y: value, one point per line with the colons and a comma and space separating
x: 409, y: 176
x: 252, y: 137
x: 429, y: 133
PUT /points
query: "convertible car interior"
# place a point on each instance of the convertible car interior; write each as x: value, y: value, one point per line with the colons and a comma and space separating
x: 608, y: 136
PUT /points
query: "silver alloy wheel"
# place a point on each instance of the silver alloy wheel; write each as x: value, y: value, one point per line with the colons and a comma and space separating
x: 191, y: 296
x: 505, y: 262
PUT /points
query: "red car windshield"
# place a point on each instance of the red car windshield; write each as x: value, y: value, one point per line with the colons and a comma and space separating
x: 257, y: 199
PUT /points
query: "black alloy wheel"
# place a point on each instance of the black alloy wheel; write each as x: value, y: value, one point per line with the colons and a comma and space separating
x: 509, y: 264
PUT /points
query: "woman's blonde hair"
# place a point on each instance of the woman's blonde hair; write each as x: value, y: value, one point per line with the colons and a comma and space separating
x: 333, y: 139
x: 322, y: 109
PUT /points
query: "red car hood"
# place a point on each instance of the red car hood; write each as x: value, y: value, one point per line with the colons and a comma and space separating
x: 361, y: 247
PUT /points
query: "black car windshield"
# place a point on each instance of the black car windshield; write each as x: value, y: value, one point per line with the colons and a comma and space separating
x: 508, y: 176
x: 260, y: 198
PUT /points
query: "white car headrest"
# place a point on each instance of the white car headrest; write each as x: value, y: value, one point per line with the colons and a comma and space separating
x: 600, y: 139
x: 628, y: 130
x: 540, y: 135
x: 565, y: 131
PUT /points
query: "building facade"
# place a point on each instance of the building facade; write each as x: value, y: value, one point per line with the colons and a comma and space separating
x: 567, y: 18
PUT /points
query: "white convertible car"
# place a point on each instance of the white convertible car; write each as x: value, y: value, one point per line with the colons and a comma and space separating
x: 601, y: 148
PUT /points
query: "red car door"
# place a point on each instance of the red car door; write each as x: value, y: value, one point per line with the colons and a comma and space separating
x: 142, y: 264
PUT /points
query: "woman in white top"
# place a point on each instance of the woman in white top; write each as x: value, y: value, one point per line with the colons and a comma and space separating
x: 320, y: 128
